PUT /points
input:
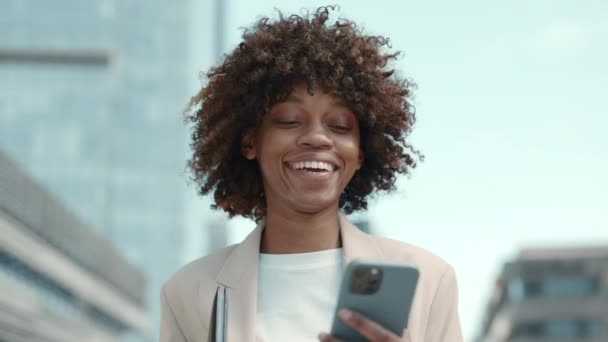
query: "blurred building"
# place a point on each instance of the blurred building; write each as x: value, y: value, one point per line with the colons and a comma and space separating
x: 59, y: 281
x: 91, y: 94
x: 550, y: 294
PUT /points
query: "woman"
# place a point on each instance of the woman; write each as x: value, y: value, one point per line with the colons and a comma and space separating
x: 299, y: 124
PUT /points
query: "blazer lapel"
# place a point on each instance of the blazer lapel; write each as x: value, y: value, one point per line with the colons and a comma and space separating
x: 239, y: 275
x: 357, y: 244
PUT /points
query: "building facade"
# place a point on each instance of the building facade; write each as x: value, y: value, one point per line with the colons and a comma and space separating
x: 59, y: 281
x: 91, y: 95
x: 550, y: 294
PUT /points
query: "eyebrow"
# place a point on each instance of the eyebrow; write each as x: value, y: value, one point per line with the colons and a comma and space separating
x: 339, y: 102
x: 293, y: 98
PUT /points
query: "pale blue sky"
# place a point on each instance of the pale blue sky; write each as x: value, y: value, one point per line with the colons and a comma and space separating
x: 511, y: 118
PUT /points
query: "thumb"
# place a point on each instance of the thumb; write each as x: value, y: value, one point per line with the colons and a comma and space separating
x: 406, y: 336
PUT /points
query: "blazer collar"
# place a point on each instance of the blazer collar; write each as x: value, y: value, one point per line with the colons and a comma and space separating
x: 239, y: 275
x: 356, y: 244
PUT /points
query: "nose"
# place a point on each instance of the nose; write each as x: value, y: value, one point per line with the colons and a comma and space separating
x: 315, y: 136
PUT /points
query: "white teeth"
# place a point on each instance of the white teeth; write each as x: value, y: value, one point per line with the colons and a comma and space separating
x: 313, y: 165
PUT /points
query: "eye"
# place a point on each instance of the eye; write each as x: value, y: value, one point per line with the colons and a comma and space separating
x: 340, y: 128
x: 341, y: 121
x: 286, y: 123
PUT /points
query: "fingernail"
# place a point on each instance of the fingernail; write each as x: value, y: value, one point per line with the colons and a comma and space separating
x: 345, y: 314
x: 323, y: 336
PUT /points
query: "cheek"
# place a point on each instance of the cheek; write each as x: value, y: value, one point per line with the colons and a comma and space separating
x: 269, y: 158
x: 276, y: 139
x: 350, y: 150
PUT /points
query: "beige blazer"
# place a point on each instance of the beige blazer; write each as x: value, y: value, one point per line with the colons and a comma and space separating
x: 187, y: 298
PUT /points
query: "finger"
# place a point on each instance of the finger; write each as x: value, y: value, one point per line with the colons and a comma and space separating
x: 370, y: 329
x: 323, y: 337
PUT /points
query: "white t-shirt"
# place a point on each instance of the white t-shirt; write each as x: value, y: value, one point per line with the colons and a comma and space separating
x: 297, y: 295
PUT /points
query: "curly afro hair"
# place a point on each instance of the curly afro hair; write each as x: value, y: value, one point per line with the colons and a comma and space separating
x: 263, y: 70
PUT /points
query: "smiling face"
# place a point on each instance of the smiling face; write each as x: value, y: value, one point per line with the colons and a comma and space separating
x: 307, y: 148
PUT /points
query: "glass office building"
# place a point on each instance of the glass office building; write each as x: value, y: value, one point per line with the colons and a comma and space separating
x: 60, y: 281
x: 550, y: 294
x: 91, y: 94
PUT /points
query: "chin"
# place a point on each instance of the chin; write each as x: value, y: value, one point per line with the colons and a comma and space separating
x: 313, y: 206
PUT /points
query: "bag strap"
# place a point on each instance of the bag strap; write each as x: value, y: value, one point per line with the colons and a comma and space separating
x: 220, y: 322
x: 217, y: 326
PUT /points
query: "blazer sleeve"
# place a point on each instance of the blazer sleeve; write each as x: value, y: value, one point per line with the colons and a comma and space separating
x: 169, y: 327
x: 444, y: 324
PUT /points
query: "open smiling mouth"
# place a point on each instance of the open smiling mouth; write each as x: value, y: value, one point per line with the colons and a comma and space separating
x: 313, y: 170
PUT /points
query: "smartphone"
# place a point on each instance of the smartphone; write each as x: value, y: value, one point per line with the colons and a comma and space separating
x: 379, y: 290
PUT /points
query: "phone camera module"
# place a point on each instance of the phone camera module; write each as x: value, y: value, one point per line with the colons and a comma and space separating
x: 366, y: 280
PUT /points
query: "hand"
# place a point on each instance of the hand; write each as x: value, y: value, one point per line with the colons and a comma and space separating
x: 368, y: 328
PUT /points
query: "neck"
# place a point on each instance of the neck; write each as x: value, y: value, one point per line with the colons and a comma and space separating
x: 287, y: 233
